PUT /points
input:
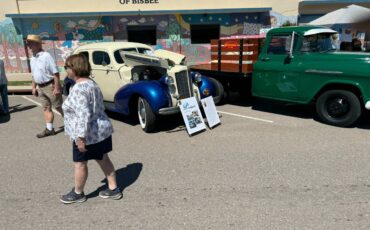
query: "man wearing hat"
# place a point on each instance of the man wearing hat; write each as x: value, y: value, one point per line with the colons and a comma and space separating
x: 45, y: 76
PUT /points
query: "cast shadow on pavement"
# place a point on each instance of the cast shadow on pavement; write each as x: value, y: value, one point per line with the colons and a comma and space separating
x: 14, y: 109
x: 169, y: 124
x: 18, y: 108
x: 295, y: 110
x: 125, y: 177
x: 4, y: 118
x: 60, y: 129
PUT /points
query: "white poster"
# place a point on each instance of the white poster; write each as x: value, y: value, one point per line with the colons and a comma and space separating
x: 210, y: 111
x: 192, y: 116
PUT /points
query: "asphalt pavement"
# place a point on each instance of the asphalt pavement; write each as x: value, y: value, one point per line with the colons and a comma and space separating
x: 267, y: 166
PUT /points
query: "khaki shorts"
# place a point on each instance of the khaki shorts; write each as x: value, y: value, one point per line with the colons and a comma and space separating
x: 47, y: 97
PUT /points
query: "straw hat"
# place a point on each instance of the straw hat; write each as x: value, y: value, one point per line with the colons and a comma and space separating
x: 34, y: 38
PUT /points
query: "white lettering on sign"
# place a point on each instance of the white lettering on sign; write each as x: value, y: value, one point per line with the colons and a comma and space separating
x: 139, y: 1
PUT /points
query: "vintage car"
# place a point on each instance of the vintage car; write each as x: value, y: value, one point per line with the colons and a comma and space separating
x: 135, y: 79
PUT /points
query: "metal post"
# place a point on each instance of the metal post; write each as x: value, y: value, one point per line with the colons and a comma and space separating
x: 18, y: 6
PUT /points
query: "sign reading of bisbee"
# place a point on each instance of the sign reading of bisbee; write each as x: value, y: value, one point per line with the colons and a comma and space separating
x: 139, y: 1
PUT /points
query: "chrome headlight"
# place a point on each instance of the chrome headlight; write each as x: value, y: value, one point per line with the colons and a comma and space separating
x: 197, y: 77
x: 170, y: 81
x: 171, y: 84
x: 135, y: 76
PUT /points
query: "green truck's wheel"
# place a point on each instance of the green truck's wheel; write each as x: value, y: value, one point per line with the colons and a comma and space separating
x: 338, y: 107
x: 146, y: 116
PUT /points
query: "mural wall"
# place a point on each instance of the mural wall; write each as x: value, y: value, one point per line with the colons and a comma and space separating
x: 12, y: 50
x: 62, y: 35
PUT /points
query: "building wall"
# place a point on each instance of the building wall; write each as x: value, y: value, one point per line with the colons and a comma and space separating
x: 311, y: 10
x: 63, y: 34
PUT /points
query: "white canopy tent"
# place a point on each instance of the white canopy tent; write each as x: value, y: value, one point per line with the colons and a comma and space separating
x: 348, y: 15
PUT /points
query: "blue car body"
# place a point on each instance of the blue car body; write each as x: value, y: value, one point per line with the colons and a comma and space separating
x: 155, y: 92
x: 205, y: 85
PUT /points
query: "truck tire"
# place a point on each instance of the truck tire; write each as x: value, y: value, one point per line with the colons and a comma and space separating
x: 220, y: 91
x: 338, y: 107
x: 146, y: 116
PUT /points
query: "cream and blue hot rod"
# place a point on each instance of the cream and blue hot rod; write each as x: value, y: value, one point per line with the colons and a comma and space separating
x: 135, y: 79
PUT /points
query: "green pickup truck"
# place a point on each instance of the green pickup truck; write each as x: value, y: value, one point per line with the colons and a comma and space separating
x: 301, y: 65
x: 311, y: 70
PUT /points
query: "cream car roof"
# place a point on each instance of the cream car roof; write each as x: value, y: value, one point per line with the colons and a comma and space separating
x: 112, y: 46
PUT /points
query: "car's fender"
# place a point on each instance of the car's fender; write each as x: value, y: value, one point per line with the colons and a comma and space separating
x: 155, y: 92
x: 206, y: 87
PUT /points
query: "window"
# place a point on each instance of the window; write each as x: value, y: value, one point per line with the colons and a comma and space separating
x: 318, y: 43
x: 118, y: 57
x: 280, y: 44
x: 101, y: 58
x: 142, y: 34
x: 201, y: 34
x: 86, y: 54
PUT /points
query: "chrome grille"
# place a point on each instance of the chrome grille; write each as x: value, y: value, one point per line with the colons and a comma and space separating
x: 184, y: 86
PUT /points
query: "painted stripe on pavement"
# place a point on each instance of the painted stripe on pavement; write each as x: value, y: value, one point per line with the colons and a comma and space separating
x: 247, y: 117
x: 39, y: 104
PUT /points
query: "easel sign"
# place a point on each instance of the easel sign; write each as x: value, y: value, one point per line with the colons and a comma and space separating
x: 192, y: 116
x: 209, y: 108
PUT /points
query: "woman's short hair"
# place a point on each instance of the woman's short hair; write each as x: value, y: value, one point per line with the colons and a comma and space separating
x: 79, y: 64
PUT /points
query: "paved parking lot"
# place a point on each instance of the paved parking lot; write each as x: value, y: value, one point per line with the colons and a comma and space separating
x: 267, y: 166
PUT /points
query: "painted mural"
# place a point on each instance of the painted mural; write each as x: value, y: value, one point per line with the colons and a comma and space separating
x: 173, y: 31
x: 12, y: 50
x: 62, y: 35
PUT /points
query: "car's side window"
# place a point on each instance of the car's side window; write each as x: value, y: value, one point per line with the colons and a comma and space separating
x: 280, y: 44
x: 101, y: 58
x: 318, y: 43
x: 86, y: 54
x: 118, y: 57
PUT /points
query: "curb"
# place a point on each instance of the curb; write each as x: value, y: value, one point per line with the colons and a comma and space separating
x: 19, y: 89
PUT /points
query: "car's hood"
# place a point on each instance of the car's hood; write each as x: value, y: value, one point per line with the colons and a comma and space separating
x: 165, y: 54
x: 135, y: 59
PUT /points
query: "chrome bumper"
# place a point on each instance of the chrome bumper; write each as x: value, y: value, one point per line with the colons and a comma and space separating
x: 175, y: 110
x: 169, y: 111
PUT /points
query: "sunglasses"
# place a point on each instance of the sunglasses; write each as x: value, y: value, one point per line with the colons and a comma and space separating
x: 67, y: 67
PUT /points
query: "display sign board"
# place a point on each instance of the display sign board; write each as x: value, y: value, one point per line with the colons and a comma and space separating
x: 192, y: 116
x: 210, y: 110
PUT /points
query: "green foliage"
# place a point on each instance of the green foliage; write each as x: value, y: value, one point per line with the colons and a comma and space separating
x: 288, y: 23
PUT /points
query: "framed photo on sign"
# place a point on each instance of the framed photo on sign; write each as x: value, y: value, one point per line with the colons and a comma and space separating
x: 192, y: 116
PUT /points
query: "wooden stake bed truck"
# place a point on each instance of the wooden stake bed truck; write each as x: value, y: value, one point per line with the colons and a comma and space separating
x: 295, y: 64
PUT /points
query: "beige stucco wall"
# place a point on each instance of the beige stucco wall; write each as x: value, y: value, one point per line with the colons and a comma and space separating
x: 60, y: 6
x: 7, y: 7
x: 286, y: 7
x: 325, y: 8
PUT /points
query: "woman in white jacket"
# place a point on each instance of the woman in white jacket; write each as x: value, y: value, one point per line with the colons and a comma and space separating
x: 89, y: 129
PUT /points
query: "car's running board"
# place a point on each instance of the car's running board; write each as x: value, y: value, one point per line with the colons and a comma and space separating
x: 110, y: 106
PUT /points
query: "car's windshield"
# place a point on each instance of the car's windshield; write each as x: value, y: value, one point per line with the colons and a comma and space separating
x: 323, y: 42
